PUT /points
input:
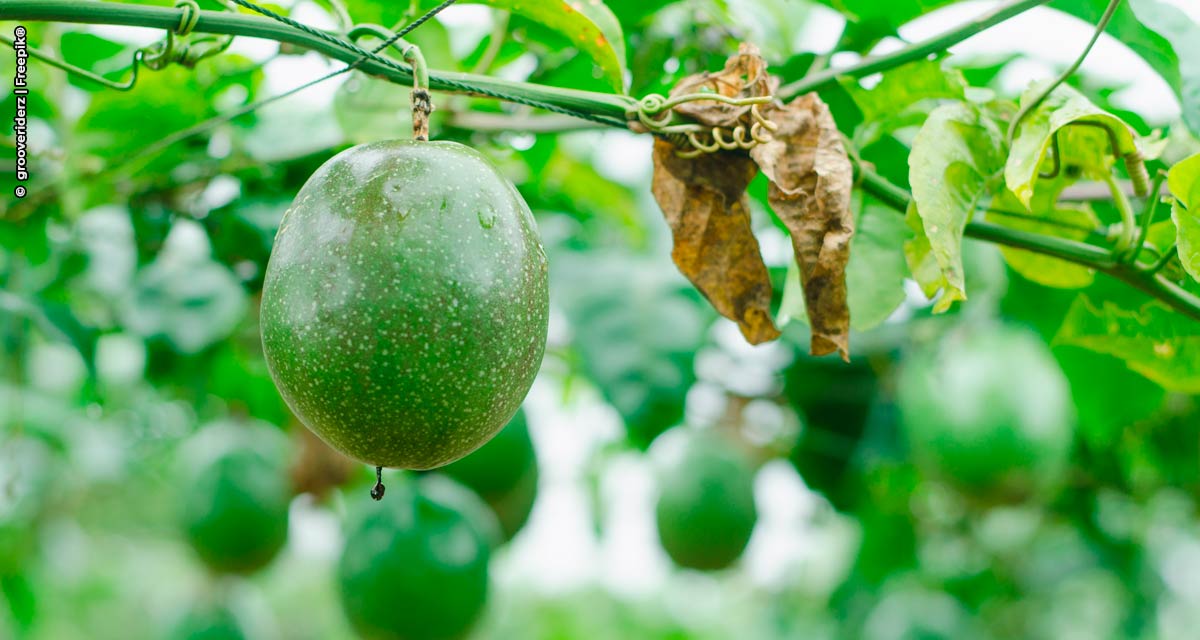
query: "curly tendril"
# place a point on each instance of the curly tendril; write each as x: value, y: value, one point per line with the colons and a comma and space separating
x: 653, y: 114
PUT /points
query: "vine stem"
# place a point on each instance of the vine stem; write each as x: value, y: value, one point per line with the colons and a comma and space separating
x: 913, y: 52
x: 1153, y: 284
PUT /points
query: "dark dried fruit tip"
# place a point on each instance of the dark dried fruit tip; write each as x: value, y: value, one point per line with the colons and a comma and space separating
x: 378, y: 489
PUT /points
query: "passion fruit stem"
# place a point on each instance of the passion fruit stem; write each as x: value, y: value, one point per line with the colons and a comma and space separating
x: 378, y: 490
x: 422, y: 103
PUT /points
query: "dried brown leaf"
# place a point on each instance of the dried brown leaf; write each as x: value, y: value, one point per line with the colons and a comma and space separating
x: 705, y: 203
x: 811, y: 179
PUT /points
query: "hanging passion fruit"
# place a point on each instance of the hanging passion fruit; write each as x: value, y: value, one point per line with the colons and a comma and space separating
x: 405, y: 305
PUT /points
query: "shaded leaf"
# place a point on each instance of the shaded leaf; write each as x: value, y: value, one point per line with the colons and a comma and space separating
x: 1108, y: 396
x: 637, y: 329
x: 1153, y: 340
x: 1046, y: 216
x: 919, y: 255
x: 884, y: 16
x: 705, y: 203
x: 1083, y: 147
x: 811, y: 179
x: 1043, y: 269
x: 1184, y: 180
x: 954, y: 157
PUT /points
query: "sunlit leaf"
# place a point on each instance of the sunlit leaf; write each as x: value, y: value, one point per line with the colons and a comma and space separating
x: 1184, y: 180
x: 272, y: 138
x: 885, y: 16
x: 588, y: 24
x: 369, y: 109
x: 954, y: 158
x: 1085, y: 147
x: 98, y: 55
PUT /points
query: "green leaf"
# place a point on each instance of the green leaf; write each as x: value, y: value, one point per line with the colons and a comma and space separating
x: 955, y: 155
x: 1046, y: 216
x: 1108, y: 396
x: 184, y: 296
x: 636, y: 328
x: 892, y: 13
x: 1043, y: 269
x: 1084, y: 147
x: 903, y: 97
x: 96, y: 54
x: 1184, y: 180
x: 1183, y: 34
x: 273, y: 137
x: 118, y: 123
x: 1153, y: 340
x: 874, y: 277
x: 590, y: 26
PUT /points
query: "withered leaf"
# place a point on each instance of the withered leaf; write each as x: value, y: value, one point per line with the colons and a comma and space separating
x: 705, y: 203
x: 811, y: 180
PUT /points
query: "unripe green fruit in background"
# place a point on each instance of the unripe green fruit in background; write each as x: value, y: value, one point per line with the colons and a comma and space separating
x: 405, y: 304
x: 236, y: 513
x: 706, y: 511
x: 416, y: 567
x: 989, y: 409
x: 504, y: 472
x: 209, y: 622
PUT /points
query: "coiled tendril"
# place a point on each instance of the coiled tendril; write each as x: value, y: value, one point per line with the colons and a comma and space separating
x: 653, y: 114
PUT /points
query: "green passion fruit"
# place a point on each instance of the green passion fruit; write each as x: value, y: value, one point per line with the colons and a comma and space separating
x: 417, y: 568
x: 405, y: 303
x: 705, y: 510
x: 989, y: 409
x: 236, y: 512
x: 504, y: 472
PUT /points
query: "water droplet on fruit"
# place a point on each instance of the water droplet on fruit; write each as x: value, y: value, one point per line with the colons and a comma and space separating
x: 487, y: 219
